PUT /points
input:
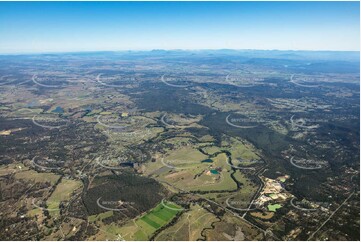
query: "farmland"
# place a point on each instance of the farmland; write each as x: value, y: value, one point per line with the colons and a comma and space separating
x: 178, y: 145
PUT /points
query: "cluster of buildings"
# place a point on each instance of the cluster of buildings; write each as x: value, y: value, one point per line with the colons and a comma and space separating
x: 273, y: 192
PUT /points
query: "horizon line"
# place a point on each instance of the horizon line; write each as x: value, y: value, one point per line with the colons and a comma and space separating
x: 157, y: 49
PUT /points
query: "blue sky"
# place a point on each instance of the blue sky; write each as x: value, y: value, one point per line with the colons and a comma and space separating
x: 93, y: 26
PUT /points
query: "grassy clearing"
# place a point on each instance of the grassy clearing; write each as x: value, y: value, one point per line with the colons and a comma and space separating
x: 35, y: 176
x: 265, y: 215
x: 248, y: 188
x: 211, y: 149
x: 198, y: 177
x: 224, y: 183
x: 62, y: 192
x: 207, y: 138
x: 100, y: 217
x: 241, y: 198
x: 159, y: 216
x: 233, y: 228
x: 12, y: 168
x: 241, y: 150
x: 221, y: 181
x: 27, y: 111
x: 189, y: 225
x: 34, y: 212
x: 185, y: 157
x: 273, y: 207
x: 143, y: 227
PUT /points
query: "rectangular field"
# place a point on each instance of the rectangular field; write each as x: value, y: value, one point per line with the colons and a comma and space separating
x: 144, y: 227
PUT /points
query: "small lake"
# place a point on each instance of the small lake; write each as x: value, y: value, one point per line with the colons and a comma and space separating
x: 58, y: 110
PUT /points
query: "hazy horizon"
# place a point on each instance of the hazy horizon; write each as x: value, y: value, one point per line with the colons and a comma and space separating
x: 170, y: 50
